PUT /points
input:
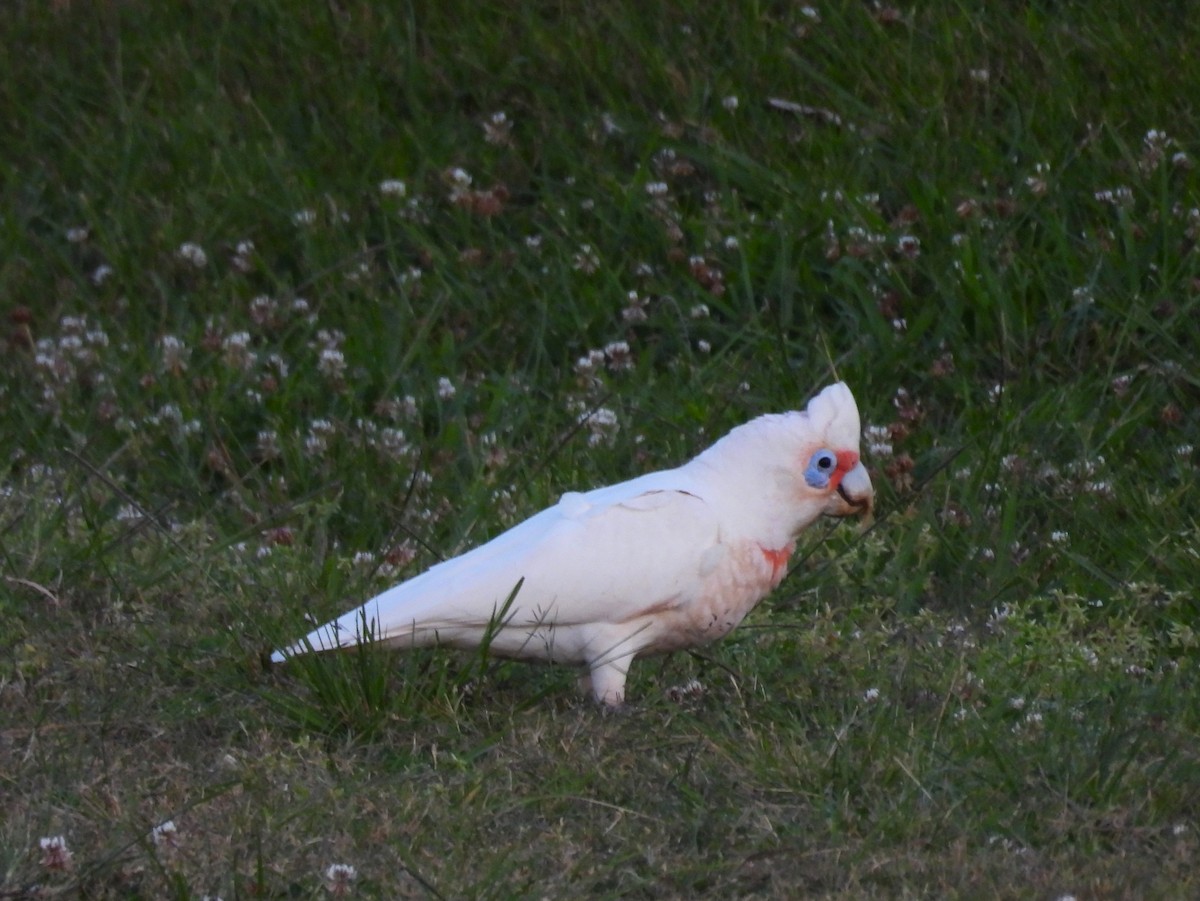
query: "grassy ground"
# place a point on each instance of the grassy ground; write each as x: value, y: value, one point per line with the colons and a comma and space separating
x: 300, y: 298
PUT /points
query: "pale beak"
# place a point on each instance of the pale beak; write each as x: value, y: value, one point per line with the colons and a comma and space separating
x: 854, y: 494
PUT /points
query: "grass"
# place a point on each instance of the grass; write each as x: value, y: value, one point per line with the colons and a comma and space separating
x: 222, y: 412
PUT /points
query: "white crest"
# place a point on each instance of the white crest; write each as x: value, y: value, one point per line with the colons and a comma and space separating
x: 834, y: 414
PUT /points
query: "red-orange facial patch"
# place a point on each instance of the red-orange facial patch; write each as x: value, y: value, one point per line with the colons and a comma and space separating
x: 847, y: 460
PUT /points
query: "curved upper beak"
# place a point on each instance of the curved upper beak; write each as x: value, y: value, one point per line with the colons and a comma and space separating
x: 854, y: 494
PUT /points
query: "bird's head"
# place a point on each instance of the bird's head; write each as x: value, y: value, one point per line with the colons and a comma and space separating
x: 829, y: 457
x: 789, y: 469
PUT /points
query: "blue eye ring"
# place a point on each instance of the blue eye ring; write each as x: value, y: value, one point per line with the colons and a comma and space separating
x: 821, y: 467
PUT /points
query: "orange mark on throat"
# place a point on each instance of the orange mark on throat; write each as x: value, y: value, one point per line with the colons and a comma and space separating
x: 777, y: 558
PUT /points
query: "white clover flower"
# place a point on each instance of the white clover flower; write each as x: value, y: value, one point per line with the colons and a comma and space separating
x: 101, y: 274
x: 445, y: 388
x: 76, y: 235
x: 999, y: 616
x: 165, y: 835
x: 236, y: 348
x: 590, y: 362
x: 689, y: 690
x: 315, y: 445
x: 871, y: 695
x: 392, y: 442
x: 128, y: 513
x: 1121, y: 195
x: 192, y: 254
x: 657, y: 188
x: 242, y: 256
x: 586, y: 260
x: 1059, y: 537
x: 268, y: 444
x: 601, y: 418
x: 320, y: 433
x: 174, y: 353
x: 331, y: 363
x: 262, y: 308
x: 55, y: 853
x: 731, y: 242
x: 879, y: 440
x: 703, y: 346
x: 168, y: 413
x: 730, y: 103
x: 339, y: 879
x: 330, y: 338
x: 619, y: 356
x: 460, y: 177
x: 1031, y: 722
x: 393, y: 187
x: 602, y: 423
x: 497, y: 129
x: 635, y: 311
x: 278, y: 363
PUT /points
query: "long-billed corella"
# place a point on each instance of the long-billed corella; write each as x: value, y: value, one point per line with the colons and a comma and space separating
x: 666, y: 561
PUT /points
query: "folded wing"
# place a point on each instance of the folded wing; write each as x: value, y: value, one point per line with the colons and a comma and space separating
x: 606, y: 557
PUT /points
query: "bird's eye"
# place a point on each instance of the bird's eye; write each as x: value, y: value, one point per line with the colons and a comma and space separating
x: 820, y: 467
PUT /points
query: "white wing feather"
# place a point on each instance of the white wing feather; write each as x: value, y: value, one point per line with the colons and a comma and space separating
x: 607, y: 556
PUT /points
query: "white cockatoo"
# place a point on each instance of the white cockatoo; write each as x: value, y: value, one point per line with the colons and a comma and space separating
x: 666, y: 561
